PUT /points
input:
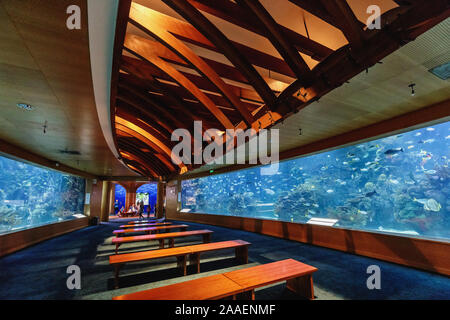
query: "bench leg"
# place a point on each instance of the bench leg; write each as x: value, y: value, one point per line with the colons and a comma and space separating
x: 194, y: 259
x: 302, y: 286
x: 242, y: 254
x: 171, y: 242
x: 117, y: 247
x: 246, y: 295
x: 181, y: 263
x: 116, y: 275
x: 183, y: 229
x: 161, y: 243
x: 207, y: 238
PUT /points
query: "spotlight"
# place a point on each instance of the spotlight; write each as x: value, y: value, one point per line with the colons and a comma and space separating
x: 413, y: 92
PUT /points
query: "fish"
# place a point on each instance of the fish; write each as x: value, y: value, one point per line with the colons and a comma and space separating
x: 410, y: 147
x: 430, y: 129
x: 429, y: 141
x: 447, y: 137
x: 364, y: 169
x: 418, y: 134
x: 429, y: 204
x: 430, y: 171
x: 330, y: 191
x: 350, y: 155
x: 393, y: 151
x: 370, y: 194
x: 394, y: 181
x: 362, y: 212
x: 409, y: 142
x: 269, y: 192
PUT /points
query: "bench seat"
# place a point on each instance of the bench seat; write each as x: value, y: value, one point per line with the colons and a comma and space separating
x: 142, y: 225
x: 236, y: 284
x: 181, y: 253
x: 208, y: 288
x: 149, y: 230
x: 206, y: 234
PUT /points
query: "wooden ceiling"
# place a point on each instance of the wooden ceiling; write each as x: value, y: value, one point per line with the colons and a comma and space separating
x: 247, y: 63
x: 46, y: 65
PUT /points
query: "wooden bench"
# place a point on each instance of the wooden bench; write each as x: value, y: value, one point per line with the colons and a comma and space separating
x: 149, y: 230
x: 143, y: 221
x: 206, y: 234
x: 298, y: 277
x: 236, y: 284
x: 143, y: 225
x: 181, y: 253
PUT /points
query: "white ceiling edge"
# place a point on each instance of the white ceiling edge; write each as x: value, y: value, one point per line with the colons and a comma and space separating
x: 102, y: 16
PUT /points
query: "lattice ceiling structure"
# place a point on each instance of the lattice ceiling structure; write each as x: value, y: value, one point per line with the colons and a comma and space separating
x: 237, y: 64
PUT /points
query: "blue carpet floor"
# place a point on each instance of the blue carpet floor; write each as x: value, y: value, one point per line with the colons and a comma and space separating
x: 39, y: 272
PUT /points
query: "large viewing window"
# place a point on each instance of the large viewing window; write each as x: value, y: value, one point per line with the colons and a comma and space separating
x: 31, y: 196
x: 398, y: 184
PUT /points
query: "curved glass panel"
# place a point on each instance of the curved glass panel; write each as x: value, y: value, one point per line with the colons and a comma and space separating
x: 31, y: 196
x: 399, y: 184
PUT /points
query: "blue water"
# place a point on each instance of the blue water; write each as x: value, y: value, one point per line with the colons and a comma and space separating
x: 31, y: 196
x: 399, y: 184
x: 150, y: 189
x: 119, y: 196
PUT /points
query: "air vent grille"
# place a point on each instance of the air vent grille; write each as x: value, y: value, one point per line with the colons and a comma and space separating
x: 442, y: 71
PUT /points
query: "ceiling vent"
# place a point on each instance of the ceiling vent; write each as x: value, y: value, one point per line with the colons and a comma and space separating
x: 71, y: 152
x: 442, y: 71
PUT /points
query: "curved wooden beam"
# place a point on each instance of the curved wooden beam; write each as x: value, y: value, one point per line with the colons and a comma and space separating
x: 198, y: 20
x: 140, y: 48
x: 316, y: 8
x: 140, y: 16
x: 155, y: 162
x: 139, y: 133
x: 274, y: 33
x: 156, y: 105
x: 138, y: 69
x: 133, y: 164
x: 232, y: 13
x: 128, y: 156
x: 346, y: 20
x: 163, y: 129
x: 147, y: 124
x: 338, y: 67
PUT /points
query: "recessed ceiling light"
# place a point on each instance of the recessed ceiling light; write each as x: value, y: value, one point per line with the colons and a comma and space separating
x: 25, y: 106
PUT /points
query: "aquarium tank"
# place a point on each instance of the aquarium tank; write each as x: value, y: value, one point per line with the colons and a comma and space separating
x: 120, y: 196
x: 150, y: 191
x: 399, y: 184
x: 31, y: 196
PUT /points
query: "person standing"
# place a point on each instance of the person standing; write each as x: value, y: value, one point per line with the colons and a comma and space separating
x: 116, y: 207
x: 141, y: 209
x: 149, y: 210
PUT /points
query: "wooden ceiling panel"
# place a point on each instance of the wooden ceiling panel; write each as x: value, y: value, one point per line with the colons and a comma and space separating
x: 264, y: 64
x: 45, y: 64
